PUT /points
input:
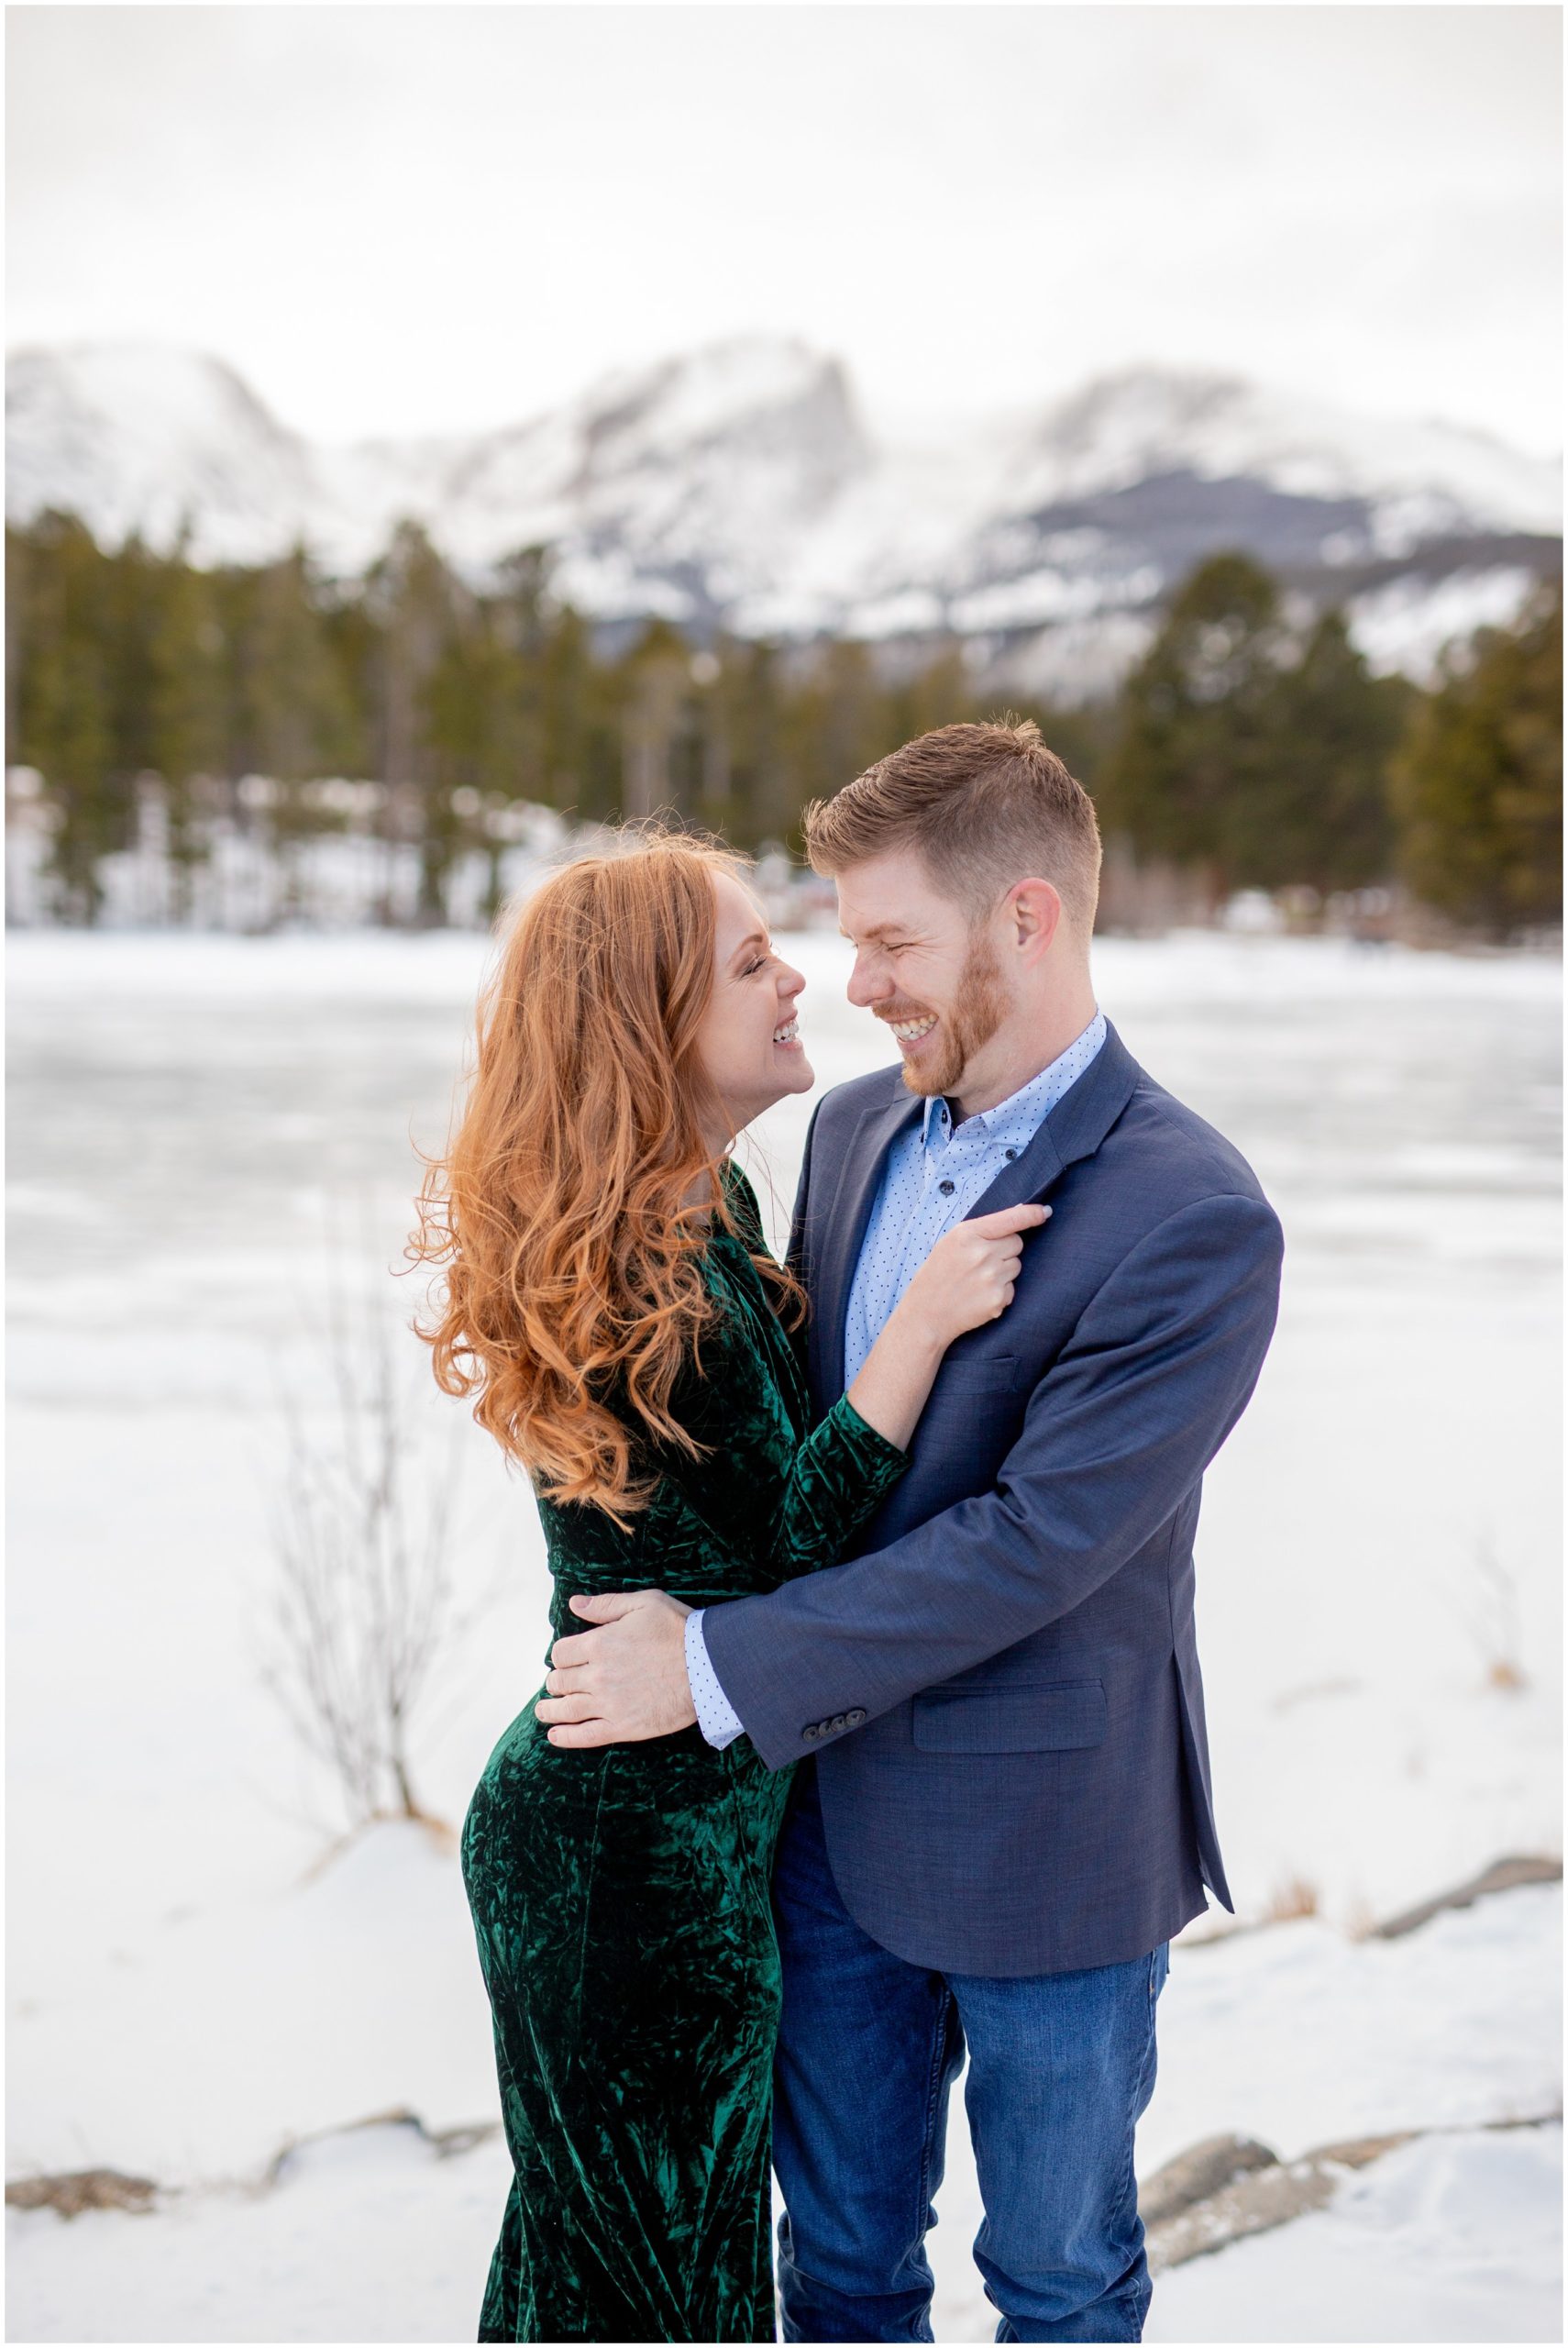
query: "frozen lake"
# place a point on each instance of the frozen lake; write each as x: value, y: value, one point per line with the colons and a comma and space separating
x: 198, y: 1125
x: 207, y: 1133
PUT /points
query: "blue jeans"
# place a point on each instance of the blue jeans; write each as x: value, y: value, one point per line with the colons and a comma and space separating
x: 1061, y: 2065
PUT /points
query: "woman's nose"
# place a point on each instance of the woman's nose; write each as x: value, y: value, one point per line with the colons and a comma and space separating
x: 791, y: 983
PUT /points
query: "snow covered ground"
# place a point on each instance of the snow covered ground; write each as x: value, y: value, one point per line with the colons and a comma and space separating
x: 1295, y: 2035
x: 206, y: 1131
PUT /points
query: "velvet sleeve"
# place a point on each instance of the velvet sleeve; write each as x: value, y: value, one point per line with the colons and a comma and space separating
x: 799, y: 1519
x: 765, y: 1495
x: 839, y: 1476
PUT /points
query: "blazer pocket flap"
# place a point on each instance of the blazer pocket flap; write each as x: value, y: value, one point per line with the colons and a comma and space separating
x: 978, y: 1373
x: 1052, y: 1717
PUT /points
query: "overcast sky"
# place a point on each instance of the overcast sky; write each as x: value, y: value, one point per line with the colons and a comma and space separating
x: 410, y: 218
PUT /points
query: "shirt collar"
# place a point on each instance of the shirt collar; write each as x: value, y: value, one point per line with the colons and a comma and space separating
x: 1014, y: 1122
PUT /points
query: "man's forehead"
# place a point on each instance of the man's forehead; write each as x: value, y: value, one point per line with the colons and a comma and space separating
x: 891, y: 895
x: 874, y: 932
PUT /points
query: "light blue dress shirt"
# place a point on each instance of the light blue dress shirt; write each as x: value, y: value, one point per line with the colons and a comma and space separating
x: 936, y: 1173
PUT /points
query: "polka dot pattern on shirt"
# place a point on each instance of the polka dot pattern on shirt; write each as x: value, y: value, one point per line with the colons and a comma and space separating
x: 716, y: 1716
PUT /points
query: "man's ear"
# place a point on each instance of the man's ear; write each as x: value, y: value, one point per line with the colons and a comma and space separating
x: 1034, y: 908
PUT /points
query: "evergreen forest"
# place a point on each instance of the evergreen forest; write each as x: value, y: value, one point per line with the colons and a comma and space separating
x: 1249, y: 749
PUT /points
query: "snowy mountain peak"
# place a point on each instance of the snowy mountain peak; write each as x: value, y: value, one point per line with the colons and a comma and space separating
x: 185, y: 390
x: 141, y: 437
x: 1139, y: 409
x: 1147, y: 421
x: 714, y: 393
x: 739, y: 483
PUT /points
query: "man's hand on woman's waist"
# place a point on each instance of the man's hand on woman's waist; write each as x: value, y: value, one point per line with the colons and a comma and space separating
x: 625, y: 1679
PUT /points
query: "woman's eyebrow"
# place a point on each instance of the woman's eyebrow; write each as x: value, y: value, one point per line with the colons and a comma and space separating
x: 757, y: 938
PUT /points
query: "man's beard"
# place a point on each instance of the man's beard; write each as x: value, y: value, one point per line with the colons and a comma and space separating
x: 979, y: 1006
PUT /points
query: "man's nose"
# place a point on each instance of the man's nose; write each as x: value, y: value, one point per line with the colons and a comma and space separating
x: 867, y: 986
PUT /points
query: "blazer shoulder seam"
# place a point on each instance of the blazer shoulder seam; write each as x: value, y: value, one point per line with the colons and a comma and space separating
x: 1209, y: 1143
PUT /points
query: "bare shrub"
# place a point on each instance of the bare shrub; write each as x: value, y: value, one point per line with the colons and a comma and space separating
x: 1294, y: 1897
x: 1494, y: 1615
x: 364, y: 1608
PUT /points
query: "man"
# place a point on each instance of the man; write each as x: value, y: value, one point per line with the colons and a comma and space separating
x: 1004, y: 1813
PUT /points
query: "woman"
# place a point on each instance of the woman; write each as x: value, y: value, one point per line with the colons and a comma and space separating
x: 610, y: 1303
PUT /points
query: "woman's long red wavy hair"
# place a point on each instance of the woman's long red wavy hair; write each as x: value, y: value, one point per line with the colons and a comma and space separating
x: 568, y: 1213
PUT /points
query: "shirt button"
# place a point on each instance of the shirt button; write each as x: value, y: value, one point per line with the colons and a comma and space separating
x: 1012, y: 1152
x: 946, y: 1189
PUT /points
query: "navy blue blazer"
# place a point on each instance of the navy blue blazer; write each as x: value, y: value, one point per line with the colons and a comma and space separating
x: 1000, y: 1687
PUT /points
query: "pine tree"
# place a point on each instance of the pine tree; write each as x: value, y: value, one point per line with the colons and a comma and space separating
x: 62, y: 711
x: 518, y: 616
x: 1478, y: 779
x: 188, y: 706
x: 1322, y: 813
x: 1188, y: 778
x: 409, y: 592
x: 835, y: 723
x: 937, y: 692
x: 657, y: 723
x: 295, y: 714
x: 580, y: 720
x: 754, y: 700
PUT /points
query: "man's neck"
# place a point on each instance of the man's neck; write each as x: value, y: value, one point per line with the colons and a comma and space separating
x: 1024, y: 1057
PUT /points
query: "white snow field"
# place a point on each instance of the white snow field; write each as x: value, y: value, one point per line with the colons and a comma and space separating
x: 208, y: 1133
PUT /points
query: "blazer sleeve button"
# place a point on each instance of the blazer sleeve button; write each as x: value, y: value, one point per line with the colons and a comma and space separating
x: 854, y: 1718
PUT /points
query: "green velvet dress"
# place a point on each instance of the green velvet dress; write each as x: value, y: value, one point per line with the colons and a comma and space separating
x: 620, y: 1894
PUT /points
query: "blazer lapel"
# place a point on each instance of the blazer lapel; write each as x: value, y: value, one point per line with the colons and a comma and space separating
x: 1073, y: 1129
x: 843, y: 1229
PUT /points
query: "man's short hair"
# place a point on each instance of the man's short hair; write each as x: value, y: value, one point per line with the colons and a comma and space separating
x: 986, y: 806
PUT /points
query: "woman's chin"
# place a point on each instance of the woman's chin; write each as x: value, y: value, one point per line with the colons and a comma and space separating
x: 794, y: 1073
